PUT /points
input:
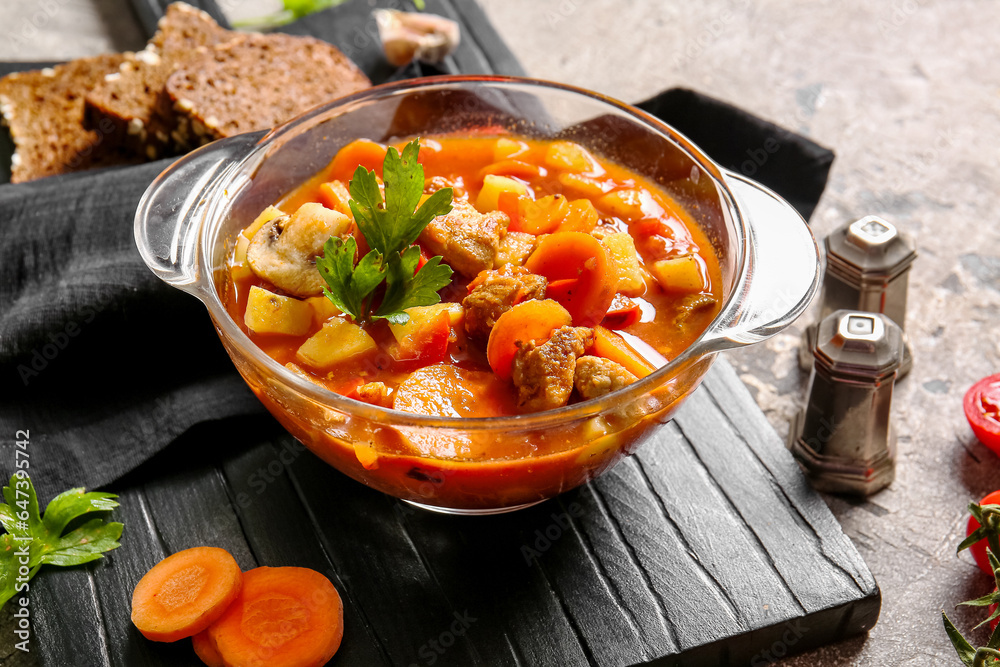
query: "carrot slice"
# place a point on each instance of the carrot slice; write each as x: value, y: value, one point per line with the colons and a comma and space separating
x: 205, y: 649
x: 528, y: 320
x: 581, y: 217
x: 576, y: 255
x: 611, y: 346
x: 284, y: 617
x: 540, y: 216
x: 361, y: 152
x: 185, y: 593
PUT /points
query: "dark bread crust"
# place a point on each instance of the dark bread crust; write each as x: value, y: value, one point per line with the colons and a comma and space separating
x: 256, y: 82
x: 133, y: 99
x: 44, y: 110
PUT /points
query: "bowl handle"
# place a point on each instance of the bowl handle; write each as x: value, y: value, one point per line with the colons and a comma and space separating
x: 783, y: 269
x: 170, y: 214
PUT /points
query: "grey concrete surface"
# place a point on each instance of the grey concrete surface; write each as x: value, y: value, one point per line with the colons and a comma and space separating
x: 907, y: 93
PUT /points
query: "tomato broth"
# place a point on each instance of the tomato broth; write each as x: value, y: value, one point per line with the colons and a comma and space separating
x: 540, y: 191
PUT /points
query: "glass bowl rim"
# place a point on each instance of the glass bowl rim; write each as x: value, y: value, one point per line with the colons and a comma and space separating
x: 395, y: 418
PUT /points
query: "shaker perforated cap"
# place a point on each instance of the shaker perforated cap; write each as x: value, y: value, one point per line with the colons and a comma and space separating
x: 872, y: 247
x: 859, y: 343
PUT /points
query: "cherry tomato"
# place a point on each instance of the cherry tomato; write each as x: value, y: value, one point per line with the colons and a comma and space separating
x: 979, y: 548
x: 982, y: 409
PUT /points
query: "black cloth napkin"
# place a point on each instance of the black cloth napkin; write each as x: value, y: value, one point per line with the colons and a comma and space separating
x: 103, y: 366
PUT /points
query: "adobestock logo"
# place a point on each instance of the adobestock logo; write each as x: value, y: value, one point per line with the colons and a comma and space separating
x: 544, y: 539
x: 794, y: 631
x: 432, y: 651
x: 58, y: 341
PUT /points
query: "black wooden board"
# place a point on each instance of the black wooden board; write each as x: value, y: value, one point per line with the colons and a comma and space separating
x: 707, y: 547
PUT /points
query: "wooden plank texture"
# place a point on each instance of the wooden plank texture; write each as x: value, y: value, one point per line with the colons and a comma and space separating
x: 703, y: 548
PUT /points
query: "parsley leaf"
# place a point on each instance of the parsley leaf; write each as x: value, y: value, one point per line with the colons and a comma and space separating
x: 407, y: 289
x: 349, y: 286
x: 34, y: 540
x: 390, y: 226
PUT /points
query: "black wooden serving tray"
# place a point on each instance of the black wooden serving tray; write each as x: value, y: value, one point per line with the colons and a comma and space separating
x: 708, y: 547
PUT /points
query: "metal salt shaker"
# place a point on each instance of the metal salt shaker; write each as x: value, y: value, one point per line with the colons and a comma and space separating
x: 867, y: 268
x: 844, y: 439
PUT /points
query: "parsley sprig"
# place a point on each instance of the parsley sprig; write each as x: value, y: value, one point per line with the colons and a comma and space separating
x: 390, y: 227
x: 39, y: 539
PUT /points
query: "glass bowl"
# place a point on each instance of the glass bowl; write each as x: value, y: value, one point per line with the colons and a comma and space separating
x: 188, y: 220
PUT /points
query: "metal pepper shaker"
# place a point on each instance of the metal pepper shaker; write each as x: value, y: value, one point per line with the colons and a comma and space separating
x: 867, y: 268
x: 844, y: 438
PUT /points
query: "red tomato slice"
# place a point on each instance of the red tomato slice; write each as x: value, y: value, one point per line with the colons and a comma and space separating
x: 430, y: 346
x: 508, y: 203
x: 566, y: 258
x: 623, y: 313
x: 979, y: 548
x: 982, y: 409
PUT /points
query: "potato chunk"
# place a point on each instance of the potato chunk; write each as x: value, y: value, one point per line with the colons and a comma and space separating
x: 621, y: 248
x: 272, y: 313
x: 570, y: 156
x: 680, y: 275
x: 338, y: 341
x: 493, y: 185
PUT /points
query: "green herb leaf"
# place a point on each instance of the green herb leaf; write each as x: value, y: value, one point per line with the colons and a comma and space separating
x: 349, y: 286
x: 989, y: 518
x: 437, y: 204
x: 984, y: 601
x: 369, y: 209
x: 407, y: 289
x: 390, y: 226
x: 293, y: 10
x: 68, y: 505
x: 35, y: 540
x: 966, y: 653
x: 404, y: 183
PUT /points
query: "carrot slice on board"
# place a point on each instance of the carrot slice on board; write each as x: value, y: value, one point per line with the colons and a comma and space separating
x: 185, y: 593
x: 284, y: 617
x: 528, y: 320
x: 205, y: 649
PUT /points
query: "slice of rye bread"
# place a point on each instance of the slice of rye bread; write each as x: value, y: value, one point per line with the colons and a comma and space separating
x: 133, y: 99
x: 257, y: 82
x: 44, y: 111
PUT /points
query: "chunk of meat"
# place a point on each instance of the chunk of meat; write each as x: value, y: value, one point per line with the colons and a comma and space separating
x: 515, y: 248
x: 596, y: 376
x: 543, y: 374
x: 691, y: 304
x: 497, y: 292
x: 467, y: 239
x: 375, y: 393
x: 457, y: 185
